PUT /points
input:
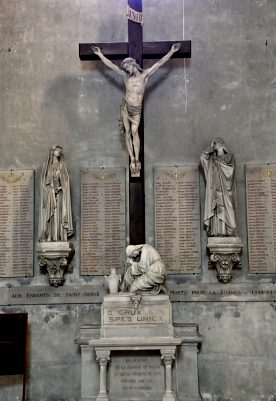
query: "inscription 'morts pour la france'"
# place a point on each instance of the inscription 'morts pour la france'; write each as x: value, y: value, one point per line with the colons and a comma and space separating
x: 261, y: 217
x: 103, y: 226
x: 177, y: 218
x: 16, y: 222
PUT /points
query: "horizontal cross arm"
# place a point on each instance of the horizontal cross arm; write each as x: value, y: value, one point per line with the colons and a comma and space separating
x: 152, y: 50
x: 114, y: 51
x: 119, y: 51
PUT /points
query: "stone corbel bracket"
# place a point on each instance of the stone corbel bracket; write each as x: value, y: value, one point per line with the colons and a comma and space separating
x: 54, y: 259
x: 224, y: 255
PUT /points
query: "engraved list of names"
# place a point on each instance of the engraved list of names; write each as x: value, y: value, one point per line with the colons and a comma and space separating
x: 261, y: 217
x: 177, y: 218
x: 16, y: 222
x: 103, y: 226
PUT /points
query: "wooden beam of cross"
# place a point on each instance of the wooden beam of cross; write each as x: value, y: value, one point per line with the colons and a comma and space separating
x: 138, y: 50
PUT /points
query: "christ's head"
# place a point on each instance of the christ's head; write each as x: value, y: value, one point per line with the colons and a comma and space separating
x: 130, y: 65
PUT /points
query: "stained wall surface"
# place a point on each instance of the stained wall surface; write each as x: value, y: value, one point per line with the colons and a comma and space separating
x: 227, y: 89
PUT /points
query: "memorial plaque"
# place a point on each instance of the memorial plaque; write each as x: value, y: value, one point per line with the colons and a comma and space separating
x: 16, y: 223
x: 136, y: 376
x: 152, y: 314
x: 177, y: 218
x: 261, y: 217
x: 103, y: 226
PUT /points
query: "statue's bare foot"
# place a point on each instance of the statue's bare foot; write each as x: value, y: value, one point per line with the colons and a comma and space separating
x: 138, y: 165
x: 135, y: 171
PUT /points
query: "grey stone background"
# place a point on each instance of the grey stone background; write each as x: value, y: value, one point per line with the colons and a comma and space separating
x: 227, y: 89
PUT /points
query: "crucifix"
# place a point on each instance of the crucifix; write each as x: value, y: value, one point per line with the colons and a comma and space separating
x: 138, y: 50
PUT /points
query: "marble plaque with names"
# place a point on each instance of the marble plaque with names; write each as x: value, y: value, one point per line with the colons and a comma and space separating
x: 103, y: 220
x: 16, y: 222
x: 177, y: 218
x: 136, y: 376
x: 261, y: 217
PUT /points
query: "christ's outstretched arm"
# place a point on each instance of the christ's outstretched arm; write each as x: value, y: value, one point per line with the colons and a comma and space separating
x: 163, y: 60
x: 106, y: 61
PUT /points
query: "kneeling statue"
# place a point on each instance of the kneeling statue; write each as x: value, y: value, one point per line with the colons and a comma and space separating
x: 144, y: 270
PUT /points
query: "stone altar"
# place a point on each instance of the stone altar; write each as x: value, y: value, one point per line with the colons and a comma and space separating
x: 139, y: 326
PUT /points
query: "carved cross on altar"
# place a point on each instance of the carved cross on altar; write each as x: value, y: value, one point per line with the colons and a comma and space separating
x: 138, y: 50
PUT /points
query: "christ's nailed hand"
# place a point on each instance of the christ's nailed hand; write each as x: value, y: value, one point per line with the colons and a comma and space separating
x: 176, y: 47
x: 95, y: 49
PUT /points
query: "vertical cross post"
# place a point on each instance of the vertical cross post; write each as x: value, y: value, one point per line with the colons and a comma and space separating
x: 138, y: 50
x: 136, y: 184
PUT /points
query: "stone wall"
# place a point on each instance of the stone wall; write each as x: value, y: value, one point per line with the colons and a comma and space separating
x: 227, y: 89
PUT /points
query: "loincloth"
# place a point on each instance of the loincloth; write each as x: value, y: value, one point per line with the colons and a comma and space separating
x: 134, y: 114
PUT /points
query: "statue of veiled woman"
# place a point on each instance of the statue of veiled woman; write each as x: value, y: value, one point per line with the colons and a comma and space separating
x: 56, y: 213
x: 220, y: 200
x: 145, y: 271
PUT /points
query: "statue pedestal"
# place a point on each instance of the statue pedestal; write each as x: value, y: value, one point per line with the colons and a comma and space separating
x: 224, y: 256
x: 54, y: 259
x: 141, y: 355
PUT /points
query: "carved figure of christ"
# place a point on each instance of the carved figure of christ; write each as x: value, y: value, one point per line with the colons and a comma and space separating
x: 138, y: 50
x: 135, y: 79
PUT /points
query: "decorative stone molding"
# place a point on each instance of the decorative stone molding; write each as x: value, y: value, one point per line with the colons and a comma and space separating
x: 135, y: 300
x: 54, y: 259
x: 224, y: 256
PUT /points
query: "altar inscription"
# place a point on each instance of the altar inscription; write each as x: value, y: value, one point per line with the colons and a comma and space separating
x: 16, y: 222
x: 261, y: 217
x: 145, y: 315
x: 103, y: 226
x: 136, y: 375
x: 177, y: 218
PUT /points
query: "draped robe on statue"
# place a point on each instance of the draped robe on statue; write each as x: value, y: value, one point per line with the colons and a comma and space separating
x: 56, y: 214
x: 220, y: 198
x: 147, y: 273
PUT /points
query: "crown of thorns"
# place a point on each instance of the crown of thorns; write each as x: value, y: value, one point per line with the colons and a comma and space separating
x: 132, y: 61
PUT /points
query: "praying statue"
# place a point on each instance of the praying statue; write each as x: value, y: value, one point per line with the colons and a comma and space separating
x: 220, y: 199
x: 56, y: 213
x: 135, y: 79
x: 144, y: 270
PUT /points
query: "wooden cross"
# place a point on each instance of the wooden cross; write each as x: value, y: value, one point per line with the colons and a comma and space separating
x: 138, y: 50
